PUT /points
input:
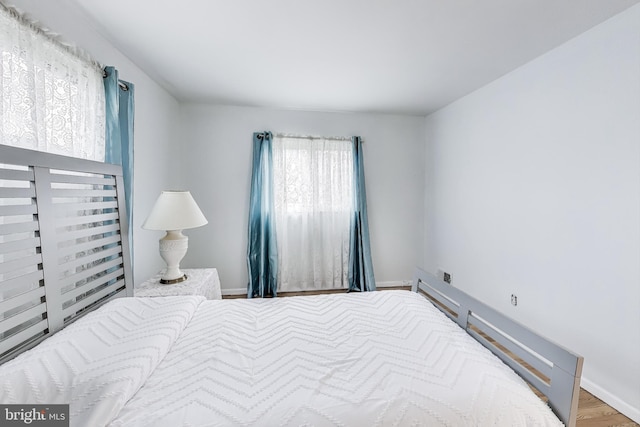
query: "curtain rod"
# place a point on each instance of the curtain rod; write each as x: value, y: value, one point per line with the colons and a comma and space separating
x: 330, y: 138
x: 55, y: 38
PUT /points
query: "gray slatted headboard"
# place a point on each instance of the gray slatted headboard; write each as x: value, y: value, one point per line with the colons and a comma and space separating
x: 553, y: 370
x: 63, y: 248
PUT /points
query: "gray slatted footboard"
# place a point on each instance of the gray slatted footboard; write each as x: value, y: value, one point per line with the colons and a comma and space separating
x: 553, y: 370
x: 63, y: 247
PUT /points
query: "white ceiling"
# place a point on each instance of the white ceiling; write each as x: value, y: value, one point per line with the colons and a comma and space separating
x: 400, y: 56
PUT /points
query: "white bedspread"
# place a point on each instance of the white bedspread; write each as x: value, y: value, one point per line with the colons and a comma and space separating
x: 99, y: 362
x: 374, y: 359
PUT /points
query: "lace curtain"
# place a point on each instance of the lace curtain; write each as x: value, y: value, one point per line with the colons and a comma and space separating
x: 313, y: 180
x: 51, y: 99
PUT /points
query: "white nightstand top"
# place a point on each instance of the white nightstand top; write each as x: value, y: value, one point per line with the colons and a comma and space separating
x: 200, y: 281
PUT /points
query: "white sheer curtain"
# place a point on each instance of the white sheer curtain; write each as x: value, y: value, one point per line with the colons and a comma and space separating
x: 51, y: 98
x: 313, y: 205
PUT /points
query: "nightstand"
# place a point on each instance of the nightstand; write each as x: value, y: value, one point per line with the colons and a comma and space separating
x: 200, y: 281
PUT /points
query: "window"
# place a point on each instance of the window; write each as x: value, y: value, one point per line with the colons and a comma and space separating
x: 313, y: 199
x: 52, y: 99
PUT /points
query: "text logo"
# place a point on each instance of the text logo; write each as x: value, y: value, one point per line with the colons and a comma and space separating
x: 35, y: 415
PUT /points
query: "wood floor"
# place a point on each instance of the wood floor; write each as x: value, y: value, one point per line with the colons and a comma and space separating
x: 592, y: 412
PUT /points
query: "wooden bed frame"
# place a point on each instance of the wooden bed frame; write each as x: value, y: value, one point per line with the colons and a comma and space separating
x: 63, y: 248
x: 551, y: 369
x: 64, y: 252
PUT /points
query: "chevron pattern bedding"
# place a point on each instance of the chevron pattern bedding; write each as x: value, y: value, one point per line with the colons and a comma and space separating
x: 373, y: 359
x: 99, y: 362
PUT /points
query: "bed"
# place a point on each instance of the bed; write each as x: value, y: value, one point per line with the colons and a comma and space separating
x: 430, y: 356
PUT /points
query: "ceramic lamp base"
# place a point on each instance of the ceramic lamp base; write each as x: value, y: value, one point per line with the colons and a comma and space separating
x: 173, y: 247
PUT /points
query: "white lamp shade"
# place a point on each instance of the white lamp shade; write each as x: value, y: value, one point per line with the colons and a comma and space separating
x: 175, y: 210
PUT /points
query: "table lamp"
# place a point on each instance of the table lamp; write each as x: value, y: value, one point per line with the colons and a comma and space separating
x: 173, y: 212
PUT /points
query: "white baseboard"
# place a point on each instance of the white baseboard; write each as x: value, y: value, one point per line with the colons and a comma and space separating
x: 234, y: 291
x: 611, y: 399
x: 389, y: 284
x: 394, y: 283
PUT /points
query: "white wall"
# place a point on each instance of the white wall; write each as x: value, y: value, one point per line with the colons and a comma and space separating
x: 156, y: 121
x: 217, y: 155
x: 533, y: 188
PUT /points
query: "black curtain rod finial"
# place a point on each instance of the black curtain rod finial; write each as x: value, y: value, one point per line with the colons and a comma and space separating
x: 263, y: 135
x: 122, y: 84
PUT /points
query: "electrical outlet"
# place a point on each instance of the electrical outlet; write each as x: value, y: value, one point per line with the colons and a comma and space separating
x: 446, y: 277
x: 514, y: 299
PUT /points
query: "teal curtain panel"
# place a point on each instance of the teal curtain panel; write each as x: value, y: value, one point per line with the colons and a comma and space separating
x: 262, y: 251
x: 119, y: 103
x: 361, y: 276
